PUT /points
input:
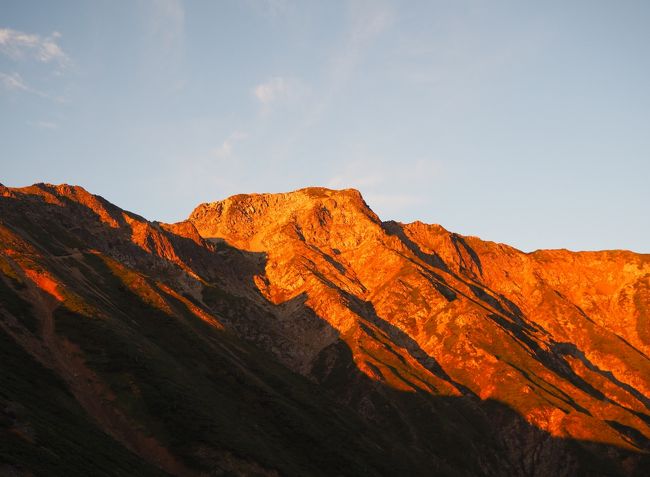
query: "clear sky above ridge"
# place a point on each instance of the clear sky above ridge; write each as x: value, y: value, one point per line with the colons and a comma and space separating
x: 520, y: 122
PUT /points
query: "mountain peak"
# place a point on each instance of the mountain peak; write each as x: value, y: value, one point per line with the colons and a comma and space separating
x: 244, y: 218
x: 298, y: 197
x: 448, y: 350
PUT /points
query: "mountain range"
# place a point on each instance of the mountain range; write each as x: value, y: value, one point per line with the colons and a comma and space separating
x: 298, y: 334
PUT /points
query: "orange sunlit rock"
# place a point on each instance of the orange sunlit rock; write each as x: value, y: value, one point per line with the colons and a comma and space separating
x: 45, y: 283
x: 410, y: 327
x: 507, y: 325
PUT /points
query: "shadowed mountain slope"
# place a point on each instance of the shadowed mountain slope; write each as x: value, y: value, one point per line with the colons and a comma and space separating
x: 298, y: 334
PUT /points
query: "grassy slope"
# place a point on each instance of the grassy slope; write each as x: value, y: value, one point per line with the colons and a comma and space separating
x: 44, y: 430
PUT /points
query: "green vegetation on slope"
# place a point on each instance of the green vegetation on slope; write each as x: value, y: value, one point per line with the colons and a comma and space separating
x: 44, y: 431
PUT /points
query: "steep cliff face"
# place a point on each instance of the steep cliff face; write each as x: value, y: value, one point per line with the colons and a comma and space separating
x: 559, y: 337
x: 298, y: 334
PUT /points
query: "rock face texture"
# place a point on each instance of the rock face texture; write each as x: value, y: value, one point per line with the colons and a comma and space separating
x: 298, y: 334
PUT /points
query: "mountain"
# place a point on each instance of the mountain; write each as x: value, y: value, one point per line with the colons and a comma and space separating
x: 299, y: 334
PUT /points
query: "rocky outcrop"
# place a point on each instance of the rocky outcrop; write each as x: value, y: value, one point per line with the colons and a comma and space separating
x: 268, y: 329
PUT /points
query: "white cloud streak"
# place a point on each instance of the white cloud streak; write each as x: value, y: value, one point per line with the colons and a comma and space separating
x: 225, y: 151
x: 19, y: 45
x: 279, y: 90
x: 15, y: 82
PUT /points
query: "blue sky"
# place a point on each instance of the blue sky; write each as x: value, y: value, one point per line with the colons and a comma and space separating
x: 520, y: 122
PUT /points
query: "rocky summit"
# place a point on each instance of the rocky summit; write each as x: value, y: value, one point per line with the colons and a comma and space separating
x: 298, y: 334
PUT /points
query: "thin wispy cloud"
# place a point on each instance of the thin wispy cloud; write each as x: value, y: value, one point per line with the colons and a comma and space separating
x: 19, y: 45
x: 367, y: 20
x: 26, y: 49
x: 14, y: 82
x: 162, y: 48
x: 270, y: 91
x: 225, y: 150
x: 356, y: 174
x: 387, y: 184
x: 167, y: 23
x: 370, y: 173
x: 277, y: 90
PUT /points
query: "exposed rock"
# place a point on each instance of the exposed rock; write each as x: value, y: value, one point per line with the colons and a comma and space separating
x: 426, y: 351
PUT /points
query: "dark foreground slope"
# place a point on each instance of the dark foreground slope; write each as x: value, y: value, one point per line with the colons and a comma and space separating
x: 297, y: 334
